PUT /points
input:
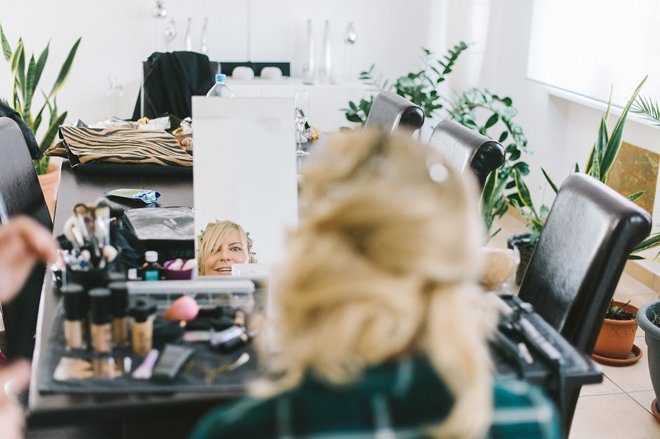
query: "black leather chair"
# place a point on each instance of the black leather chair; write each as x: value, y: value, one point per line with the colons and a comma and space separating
x: 390, y: 111
x: 578, y: 260
x: 464, y: 147
x: 22, y: 195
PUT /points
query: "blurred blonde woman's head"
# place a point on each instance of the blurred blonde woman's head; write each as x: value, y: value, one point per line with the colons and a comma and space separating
x: 383, y: 263
x: 222, y: 244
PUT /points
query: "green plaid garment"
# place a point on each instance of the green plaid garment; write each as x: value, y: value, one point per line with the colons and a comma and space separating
x: 394, y: 400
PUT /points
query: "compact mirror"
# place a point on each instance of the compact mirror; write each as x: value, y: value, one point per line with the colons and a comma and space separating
x: 245, y: 182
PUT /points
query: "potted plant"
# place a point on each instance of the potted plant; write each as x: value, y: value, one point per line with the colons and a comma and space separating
x: 601, y: 159
x: 649, y: 320
x: 26, y: 75
x: 617, y: 334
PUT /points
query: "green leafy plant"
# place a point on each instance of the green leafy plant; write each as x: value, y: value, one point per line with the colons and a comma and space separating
x: 477, y: 109
x: 618, y: 312
x: 647, y: 108
x: 26, y: 75
x: 492, y: 116
x: 419, y: 87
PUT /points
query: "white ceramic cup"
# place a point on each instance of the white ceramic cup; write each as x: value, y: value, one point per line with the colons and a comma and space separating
x: 242, y: 73
x: 271, y: 73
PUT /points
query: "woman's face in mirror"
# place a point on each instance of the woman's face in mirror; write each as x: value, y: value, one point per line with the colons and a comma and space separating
x: 230, y: 252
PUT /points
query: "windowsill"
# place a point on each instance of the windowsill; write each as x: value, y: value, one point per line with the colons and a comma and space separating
x: 597, y: 105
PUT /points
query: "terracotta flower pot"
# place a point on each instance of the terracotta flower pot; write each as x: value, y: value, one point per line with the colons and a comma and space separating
x: 616, y: 337
x: 49, y: 183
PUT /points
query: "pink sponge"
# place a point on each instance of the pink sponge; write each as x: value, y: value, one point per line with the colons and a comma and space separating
x: 184, y: 308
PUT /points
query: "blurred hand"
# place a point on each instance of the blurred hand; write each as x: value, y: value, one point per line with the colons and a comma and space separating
x: 13, y: 379
x: 23, y: 242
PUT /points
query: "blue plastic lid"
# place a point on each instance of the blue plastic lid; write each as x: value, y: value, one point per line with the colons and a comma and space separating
x: 220, y: 77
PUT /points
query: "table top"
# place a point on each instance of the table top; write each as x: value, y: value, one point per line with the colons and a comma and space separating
x: 52, y: 409
x: 62, y: 409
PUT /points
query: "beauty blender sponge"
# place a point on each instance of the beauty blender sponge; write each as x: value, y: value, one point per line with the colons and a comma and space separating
x: 184, y: 308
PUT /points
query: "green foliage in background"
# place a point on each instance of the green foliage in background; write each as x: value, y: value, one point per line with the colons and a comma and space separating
x: 26, y: 74
x: 647, y: 108
x: 477, y: 109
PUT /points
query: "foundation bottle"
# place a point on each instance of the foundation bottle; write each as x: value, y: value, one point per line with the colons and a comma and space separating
x: 101, y: 320
x: 74, y: 316
x: 142, y: 326
x: 119, y: 294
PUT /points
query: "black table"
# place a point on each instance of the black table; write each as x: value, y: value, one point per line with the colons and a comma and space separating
x: 62, y: 409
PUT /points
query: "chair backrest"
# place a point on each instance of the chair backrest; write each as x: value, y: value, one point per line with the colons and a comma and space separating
x: 390, y: 111
x: 22, y: 194
x: 575, y: 268
x: 465, y: 148
x: 19, y: 185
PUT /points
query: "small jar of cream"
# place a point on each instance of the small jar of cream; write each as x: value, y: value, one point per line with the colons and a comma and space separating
x: 119, y: 294
x: 74, y: 315
x: 142, y: 326
x: 101, y: 321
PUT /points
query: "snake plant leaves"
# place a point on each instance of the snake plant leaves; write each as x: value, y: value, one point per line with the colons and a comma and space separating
x: 550, y: 182
x: 600, y: 146
x: 635, y: 196
x: 52, y: 131
x: 28, y: 88
x: 66, y: 67
x: 650, y: 242
x: 6, y: 48
x: 523, y: 191
x: 614, y: 142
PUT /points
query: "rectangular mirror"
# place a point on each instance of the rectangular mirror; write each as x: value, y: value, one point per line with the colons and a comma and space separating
x: 245, y: 181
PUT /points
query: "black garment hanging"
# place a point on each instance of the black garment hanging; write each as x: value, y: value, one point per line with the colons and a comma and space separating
x: 170, y: 81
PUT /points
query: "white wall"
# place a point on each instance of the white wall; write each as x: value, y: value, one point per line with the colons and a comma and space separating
x: 118, y: 35
x: 560, y: 132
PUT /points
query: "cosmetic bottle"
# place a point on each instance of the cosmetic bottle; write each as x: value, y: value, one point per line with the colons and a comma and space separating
x: 74, y: 315
x: 101, y: 321
x: 142, y: 326
x: 151, y: 270
x: 119, y: 294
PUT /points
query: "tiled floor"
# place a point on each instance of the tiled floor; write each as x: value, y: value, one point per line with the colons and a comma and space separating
x: 619, y: 407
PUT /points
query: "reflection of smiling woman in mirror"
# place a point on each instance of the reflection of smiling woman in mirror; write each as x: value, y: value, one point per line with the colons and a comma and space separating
x: 221, y: 245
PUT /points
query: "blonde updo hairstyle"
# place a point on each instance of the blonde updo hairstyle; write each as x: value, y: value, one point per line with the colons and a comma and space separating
x: 214, y: 235
x: 383, y: 264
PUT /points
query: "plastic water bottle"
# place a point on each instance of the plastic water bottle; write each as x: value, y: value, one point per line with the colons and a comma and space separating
x: 220, y: 89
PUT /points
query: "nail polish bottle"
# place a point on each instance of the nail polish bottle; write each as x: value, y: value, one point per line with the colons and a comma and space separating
x: 119, y: 294
x: 142, y: 326
x: 101, y: 321
x: 74, y: 316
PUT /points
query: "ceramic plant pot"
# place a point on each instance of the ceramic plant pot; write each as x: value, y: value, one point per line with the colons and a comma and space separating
x: 49, y: 183
x: 525, y: 248
x: 616, y: 337
x: 652, y: 337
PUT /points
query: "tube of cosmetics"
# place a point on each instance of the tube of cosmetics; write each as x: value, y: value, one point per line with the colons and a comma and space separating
x: 101, y: 327
x: 119, y: 294
x: 142, y: 326
x: 74, y: 315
